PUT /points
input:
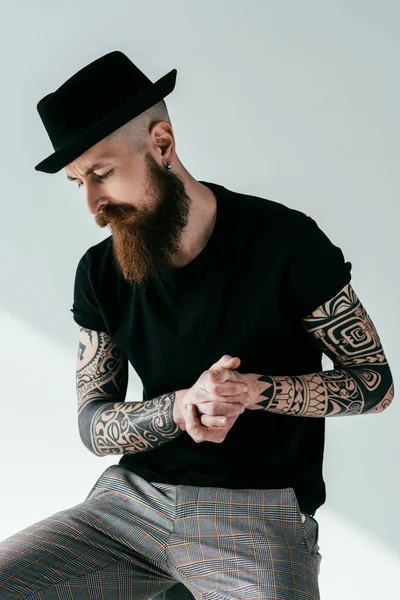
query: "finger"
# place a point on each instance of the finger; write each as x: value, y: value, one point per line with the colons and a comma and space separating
x: 222, y: 374
x: 209, y: 421
x: 193, y: 424
x: 225, y: 376
x: 214, y: 422
x: 224, y: 391
x: 223, y: 382
x: 221, y: 409
x: 211, y: 400
x: 200, y: 433
x: 192, y: 419
x: 228, y: 361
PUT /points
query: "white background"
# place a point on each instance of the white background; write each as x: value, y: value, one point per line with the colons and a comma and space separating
x: 297, y: 102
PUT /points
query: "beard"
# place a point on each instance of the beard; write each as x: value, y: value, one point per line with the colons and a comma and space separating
x: 144, y: 240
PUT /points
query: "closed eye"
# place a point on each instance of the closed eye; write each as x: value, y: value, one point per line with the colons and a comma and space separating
x: 100, y: 177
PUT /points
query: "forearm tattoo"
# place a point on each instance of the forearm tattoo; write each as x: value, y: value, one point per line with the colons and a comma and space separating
x: 108, y: 424
x: 361, y: 381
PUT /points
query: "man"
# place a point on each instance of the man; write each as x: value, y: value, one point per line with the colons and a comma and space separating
x: 223, y: 303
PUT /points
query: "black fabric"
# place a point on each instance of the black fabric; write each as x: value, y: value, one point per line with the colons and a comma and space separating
x: 265, y: 266
x: 93, y: 103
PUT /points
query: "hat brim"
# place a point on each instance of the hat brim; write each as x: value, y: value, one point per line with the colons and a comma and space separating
x: 119, y: 117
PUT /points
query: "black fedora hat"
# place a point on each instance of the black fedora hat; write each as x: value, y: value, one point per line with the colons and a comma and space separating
x: 93, y: 103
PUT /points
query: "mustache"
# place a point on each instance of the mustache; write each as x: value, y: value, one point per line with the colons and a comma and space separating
x: 118, y: 212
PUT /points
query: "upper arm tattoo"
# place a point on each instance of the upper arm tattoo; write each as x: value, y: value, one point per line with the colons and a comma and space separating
x: 102, y: 369
x: 344, y: 331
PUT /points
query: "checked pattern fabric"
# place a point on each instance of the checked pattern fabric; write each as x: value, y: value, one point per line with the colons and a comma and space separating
x: 134, y: 540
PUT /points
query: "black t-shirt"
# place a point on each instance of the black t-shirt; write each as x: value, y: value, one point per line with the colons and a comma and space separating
x: 265, y: 266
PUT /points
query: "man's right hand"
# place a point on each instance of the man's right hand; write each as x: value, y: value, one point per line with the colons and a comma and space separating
x: 214, y: 399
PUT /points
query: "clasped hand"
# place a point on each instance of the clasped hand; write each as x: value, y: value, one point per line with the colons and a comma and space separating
x: 208, y: 410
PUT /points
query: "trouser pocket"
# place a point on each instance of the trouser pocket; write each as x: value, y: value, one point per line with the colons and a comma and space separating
x: 309, y: 527
x: 311, y: 532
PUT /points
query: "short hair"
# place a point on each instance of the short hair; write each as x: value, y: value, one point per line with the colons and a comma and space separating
x: 135, y: 132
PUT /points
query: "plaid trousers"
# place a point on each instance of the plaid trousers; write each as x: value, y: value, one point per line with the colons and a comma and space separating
x: 133, y: 540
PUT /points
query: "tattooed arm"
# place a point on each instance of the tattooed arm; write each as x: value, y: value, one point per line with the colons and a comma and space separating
x: 108, y: 424
x: 360, y: 383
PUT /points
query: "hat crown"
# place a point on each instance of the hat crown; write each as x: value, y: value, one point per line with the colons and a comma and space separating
x: 89, y: 95
x: 94, y: 102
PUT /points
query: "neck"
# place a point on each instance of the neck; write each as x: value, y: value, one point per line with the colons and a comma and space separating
x: 201, y: 220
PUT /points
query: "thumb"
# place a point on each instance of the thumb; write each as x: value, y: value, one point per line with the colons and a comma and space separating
x: 227, y: 361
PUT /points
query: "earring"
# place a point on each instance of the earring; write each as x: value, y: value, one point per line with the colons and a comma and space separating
x: 169, y: 164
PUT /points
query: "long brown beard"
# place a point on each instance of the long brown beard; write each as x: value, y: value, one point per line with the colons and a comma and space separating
x: 144, y: 243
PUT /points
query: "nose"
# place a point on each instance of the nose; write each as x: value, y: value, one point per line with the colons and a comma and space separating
x: 94, y: 202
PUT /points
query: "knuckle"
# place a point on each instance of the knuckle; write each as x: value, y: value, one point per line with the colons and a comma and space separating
x: 213, y: 387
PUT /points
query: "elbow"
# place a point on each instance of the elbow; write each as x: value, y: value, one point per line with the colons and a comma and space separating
x: 85, y: 434
x: 387, y: 400
x: 384, y: 402
x: 377, y: 386
x: 389, y: 386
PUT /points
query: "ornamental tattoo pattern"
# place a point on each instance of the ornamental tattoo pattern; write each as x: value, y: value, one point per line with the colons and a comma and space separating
x: 101, y: 371
x: 361, y: 381
x: 134, y: 426
x: 116, y: 426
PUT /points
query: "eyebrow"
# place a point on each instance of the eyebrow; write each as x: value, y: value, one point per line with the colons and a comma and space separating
x: 90, y: 170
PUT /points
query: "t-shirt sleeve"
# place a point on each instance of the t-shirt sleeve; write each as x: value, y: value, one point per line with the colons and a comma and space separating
x: 317, y: 267
x: 85, y: 308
